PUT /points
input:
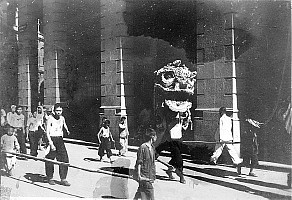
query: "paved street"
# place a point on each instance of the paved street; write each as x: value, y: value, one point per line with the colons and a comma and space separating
x: 203, y: 181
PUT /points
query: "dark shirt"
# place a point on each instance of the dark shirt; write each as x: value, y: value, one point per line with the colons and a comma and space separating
x: 146, y: 158
x: 249, y: 139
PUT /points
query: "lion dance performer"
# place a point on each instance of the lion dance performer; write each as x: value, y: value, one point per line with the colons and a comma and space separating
x: 173, y: 94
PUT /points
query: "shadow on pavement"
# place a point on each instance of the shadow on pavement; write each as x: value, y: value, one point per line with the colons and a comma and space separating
x: 213, y: 171
x: 91, y: 159
x: 35, y: 176
x: 261, y: 183
x: 242, y: 188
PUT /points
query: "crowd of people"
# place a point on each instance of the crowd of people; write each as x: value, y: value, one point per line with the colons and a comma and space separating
x: 46, y: 127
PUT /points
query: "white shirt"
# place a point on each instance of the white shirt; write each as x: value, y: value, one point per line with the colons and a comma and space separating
x: 105, y: 132
x: 15, y: 120
x: 55, y: 127
x: 32, y: 124
x: 225, y: 127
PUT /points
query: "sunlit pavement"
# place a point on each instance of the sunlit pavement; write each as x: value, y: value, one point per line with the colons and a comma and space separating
x: 202, y: 181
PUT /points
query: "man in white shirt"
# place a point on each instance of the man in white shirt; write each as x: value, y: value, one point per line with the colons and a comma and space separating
x: 55, y: 125
x: 226, y: 138
x: 16, y: 120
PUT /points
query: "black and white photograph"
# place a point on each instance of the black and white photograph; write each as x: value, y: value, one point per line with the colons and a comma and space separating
x: 145, y: 99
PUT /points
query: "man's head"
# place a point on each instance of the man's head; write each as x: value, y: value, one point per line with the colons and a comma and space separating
x: 19, y: 110
x: 39, y: 109
x: 123, y: 119
x: 150, y: 135
x: 58, y: 109
x: 222, y: 111
x: 13, y: 108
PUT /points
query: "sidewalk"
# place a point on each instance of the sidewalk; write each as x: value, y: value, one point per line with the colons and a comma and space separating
x: 203, y: 181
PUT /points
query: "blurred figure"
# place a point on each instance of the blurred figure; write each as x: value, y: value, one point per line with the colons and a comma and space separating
x: 3, y: 122
x: 250, y: 146
x: 9, y: 143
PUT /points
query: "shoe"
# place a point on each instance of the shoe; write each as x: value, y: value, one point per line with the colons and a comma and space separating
x: 65, y: 183
x: 182, y: 180
x: 252, y: 174
x: 169, y: 173
x: 51, y: 182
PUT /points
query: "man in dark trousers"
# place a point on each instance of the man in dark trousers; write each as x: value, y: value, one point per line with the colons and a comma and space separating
x: 55, y: 125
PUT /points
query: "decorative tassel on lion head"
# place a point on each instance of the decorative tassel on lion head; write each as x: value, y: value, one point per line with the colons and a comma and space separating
x: 174, y: 90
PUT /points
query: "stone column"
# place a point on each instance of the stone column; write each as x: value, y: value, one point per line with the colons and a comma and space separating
x: 220, y: 75
x: 54, y: 51
x: 28, y: 54
x: 116, y: 65
x: 8, y: 55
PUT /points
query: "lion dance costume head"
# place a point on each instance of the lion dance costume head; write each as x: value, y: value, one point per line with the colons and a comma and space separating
x: 173, y: 94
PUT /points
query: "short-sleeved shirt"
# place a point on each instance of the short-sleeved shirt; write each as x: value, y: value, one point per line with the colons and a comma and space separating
x: 146, y: 158
x: 55, y: 126
x: 9, y: 143
x: 32, y: 124
x: 15, y: 120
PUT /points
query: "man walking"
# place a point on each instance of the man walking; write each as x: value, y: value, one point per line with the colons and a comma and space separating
x: 55, y: 125
x: 226, y: 138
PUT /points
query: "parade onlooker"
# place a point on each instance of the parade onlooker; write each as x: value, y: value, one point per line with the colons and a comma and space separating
x: 145, y: 167
x: 55, y: 124
x: 3, y: 122
x: 123, y: 134
x: 9, y: 143
x: 11, y: 115
x: 226, y: 139
x: 41, y: 130
x: 105, y: 138
x: 16, y: 120
x: 250, y: 145
x: 32, y: 130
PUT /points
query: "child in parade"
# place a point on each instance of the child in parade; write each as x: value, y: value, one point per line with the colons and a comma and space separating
x: 105, y: 138
x: 9, y: 143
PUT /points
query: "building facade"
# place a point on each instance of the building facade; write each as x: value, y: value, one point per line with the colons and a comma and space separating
x: 99, y: 58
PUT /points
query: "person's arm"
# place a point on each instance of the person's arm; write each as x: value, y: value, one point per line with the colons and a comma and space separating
x: 98, y: 134
x: 8, y: 118
x: 66, y: 127
x: 110, y: 134
x: 220, y: 129
x: 27, y: 125
x: 16, y: 145
x: 1, y: 144
x: 49, y: 124
x: 23, y: 125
